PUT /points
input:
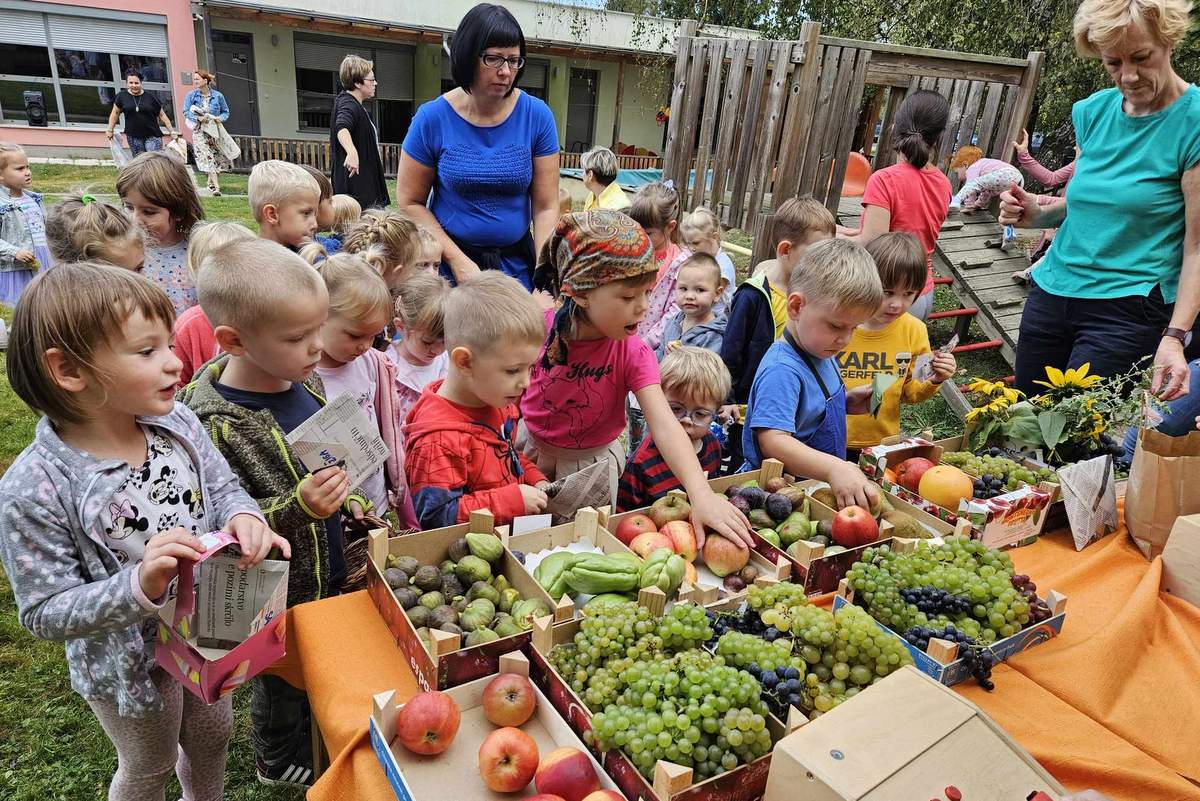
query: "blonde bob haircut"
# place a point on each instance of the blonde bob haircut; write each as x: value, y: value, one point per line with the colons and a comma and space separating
x: 208, y: 237
x: 356, y: 290
x: 696, y: 374
x: 700, y: 222
x: 279, y: 183
x: 837, y: 272
x: 354, y: 70
x: 421, y: 303
x: 80, y: 309
x: 346, y: 211
x: 1104, y: 24
x: 490, y: 309
x: 230, y: 295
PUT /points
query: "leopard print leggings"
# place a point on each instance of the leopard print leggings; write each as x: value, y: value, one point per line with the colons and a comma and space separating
x: 187, y: 736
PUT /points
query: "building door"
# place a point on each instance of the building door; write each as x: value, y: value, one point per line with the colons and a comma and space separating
x: 581, y: 110
x: 233, y: 54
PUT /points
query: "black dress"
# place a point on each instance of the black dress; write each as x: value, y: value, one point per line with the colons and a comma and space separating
x: 369, y: 187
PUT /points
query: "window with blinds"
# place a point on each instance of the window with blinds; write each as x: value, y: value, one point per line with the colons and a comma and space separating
x: 535, y: 80
x: 317, y: 83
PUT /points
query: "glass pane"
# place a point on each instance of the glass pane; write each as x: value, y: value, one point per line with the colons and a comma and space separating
x: 86, y: 65
x: 317, y: 81
x: 87, y: 104
x: 152, y: 68
x: 24, y: 60
x: 393, y: 118
x: 316, y: 109
x: 12, y: 101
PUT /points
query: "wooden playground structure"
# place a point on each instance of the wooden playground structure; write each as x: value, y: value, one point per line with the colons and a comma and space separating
x: 752, y: 121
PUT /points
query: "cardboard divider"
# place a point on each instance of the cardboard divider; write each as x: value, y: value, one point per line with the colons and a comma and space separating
x: 443, y: 662
x: 454, y: 773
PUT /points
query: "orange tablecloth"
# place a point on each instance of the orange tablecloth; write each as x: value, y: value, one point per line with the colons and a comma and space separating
x: 1113, y: 703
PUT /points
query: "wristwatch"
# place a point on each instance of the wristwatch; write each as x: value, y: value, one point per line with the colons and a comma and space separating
x: 1182, y: 334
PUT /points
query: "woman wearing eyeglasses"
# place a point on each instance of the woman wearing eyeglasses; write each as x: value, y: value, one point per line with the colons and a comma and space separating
x: 357, y: 169
x: 488, y: 152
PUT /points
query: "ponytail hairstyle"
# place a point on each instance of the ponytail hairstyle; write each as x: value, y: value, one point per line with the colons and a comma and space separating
x: 356, y: 291
x: 656, y: 205
x: 82, y: 228
x: 421, y: 303
x: 920, y: 122
x: 394, y: 234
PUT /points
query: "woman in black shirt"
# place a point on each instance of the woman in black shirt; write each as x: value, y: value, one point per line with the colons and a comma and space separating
x: 143, y: 114
x: 357, y: 169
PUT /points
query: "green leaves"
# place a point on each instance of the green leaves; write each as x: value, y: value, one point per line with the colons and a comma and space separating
x: 1052, y: 424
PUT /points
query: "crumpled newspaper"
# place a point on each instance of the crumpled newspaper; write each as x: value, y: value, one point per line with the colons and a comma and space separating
x: 1090, y: 494
x: 587, y: 487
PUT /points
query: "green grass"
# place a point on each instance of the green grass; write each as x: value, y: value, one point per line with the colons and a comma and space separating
x: 61, y: 179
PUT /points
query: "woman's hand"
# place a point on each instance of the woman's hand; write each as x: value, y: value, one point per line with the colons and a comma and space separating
x: 463, y: 268
x: 255, y: 539
x: 1018, y: 208
x: 160, y: 560
x: 351, y: 162
x: 712, y: 511
x: 1171, y: 373
x: 1022, y: 144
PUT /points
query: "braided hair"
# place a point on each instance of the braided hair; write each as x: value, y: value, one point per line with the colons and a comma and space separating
x: 392, y: 234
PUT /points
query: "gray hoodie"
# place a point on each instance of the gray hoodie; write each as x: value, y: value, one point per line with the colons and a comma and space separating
x: 706, y: 335
x: 68, y: 585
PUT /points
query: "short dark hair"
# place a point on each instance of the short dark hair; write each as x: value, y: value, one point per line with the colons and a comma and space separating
x: 486, y: 25
x: 133, y: 72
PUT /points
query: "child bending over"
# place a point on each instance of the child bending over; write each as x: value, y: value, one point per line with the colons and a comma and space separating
x: 982, y: 180
x: 82, y: 228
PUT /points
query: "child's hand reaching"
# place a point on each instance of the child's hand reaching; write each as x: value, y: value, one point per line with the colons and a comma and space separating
x: 730, y: 413
x: 851, y: 487
x: 255, y: 539
x: 858, y: 400
x: 535, y: 499
x: 944, y: 365
x: 160, y: 561
x: 324, y: 491
x: 710, y: 510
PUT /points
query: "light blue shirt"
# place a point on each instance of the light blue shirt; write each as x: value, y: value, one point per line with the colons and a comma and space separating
x: 785, y: 396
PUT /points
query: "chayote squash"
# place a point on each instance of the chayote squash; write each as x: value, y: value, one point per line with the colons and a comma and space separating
x: 593, y: 574
x: 486, y: 546
x: 471, y: 569
x: 481, y: 589
x: 664, y: 569
x: 551, y: 572
x: 480, y: 636
x: 477, y: 615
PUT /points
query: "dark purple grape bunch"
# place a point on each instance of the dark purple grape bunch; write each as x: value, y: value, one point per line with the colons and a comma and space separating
x: 1039, y: 611
x: 781, y: 687
x: 934, y: 601
x: 746, y: 622
x: 978, y: 660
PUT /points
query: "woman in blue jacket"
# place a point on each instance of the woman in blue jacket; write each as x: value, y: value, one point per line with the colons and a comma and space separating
x: 205, y: 111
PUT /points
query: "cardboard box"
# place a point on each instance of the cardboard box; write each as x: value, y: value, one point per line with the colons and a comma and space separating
x: 1009, y: 519
x: 941, y: 662
x: 1181, y: 560
x: 671, y: 782
x: 454, y: 774
x: 1056, y: 513
x: 444, y: 663
x: 225, y: 625
x: 908, y: 739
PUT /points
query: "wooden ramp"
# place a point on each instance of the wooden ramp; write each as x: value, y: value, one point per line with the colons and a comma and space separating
x: 968, y: 250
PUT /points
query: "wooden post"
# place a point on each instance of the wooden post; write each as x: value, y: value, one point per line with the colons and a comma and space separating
x: 672, y: 153
x: 616, y: 137
x: 1028, y: 88
x: 670, y: 779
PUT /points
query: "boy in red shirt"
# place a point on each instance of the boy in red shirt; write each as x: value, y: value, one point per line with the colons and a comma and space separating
x: 461, y: 434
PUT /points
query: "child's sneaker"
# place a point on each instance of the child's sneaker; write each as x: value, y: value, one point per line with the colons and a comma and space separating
x: 285, y: 775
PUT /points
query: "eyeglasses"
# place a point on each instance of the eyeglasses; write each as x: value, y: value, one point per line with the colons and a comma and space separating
x: 495, y: 62
x: 700, y: 417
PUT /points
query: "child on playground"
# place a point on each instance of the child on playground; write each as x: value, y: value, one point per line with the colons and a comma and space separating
x: 23, y: 248
x: 697, y: 293
x: 893, y: 342
x: 82, y: 228
x: 695, y: 382
x: 982, y: 179
x: 284, y: 198
x: 158, y: 191
x: 419, y: 351
x: 798, y: 404
x: 461, y: 434
x: 394, y: 235
x: 360, y: 306
x: 195, y: 342
x: 700, y: 232
x: 104, y: 505
x: 325, y: 212
x: 597, y: 265
x: 269, y: 333
x: 656, y: 208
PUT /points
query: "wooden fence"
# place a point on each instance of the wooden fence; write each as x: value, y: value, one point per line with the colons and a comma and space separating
x: 752, y: 121
x: 316, y: 153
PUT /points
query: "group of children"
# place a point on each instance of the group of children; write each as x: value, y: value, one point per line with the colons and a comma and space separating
x: 170, y: 357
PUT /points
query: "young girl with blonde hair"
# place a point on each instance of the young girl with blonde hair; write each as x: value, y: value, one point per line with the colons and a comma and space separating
x: 391, y: 233
x: 82, y: 228
x: 23, y: 249
x: 419, y: 354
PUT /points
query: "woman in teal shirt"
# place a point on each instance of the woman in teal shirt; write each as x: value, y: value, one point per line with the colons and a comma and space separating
x: 1122, y: 279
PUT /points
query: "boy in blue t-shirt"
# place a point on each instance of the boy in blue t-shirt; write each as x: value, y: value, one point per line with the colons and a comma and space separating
x: 798, y: 405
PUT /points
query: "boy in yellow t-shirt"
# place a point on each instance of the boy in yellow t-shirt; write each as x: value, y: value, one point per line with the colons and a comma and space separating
x: 892, y: 342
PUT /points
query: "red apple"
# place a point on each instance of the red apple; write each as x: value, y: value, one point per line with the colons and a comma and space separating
x: 909, y: 472
x: 683, y: 537
x: 427, y: 723
x: 508, y: 759
x: 509, y: 700
x: 672, y: 507
x: 649, y: 542
x: 546, y: 797
x: 632, y: 526
x: 604, y: 795
x: 854, y: 526
x: 723, y: 556
x: 567, y: 772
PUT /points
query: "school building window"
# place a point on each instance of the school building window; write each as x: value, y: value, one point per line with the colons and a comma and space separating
x: 77, y: 62
x: 317, y: 84
x: 533, y: 81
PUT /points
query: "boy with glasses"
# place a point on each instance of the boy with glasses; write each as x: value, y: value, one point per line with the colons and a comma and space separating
x: 695, y: 382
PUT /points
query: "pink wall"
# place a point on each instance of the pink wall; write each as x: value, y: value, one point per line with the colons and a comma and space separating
x: 181, y: 45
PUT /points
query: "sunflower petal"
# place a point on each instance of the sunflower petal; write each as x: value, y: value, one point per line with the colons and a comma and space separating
x: 1045, y: 384
x: 1055, y: 375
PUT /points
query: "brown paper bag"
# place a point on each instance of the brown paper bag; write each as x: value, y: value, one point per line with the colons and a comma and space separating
x: 1164, y: 483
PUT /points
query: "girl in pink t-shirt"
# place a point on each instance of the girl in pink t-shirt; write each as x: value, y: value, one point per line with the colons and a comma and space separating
x: 599, y: 266
x: 656, y: 208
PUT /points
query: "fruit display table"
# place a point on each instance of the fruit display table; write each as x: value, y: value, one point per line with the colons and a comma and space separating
x: 1110, y: 704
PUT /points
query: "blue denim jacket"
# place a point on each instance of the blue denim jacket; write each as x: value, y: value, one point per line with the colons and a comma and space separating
x: 14, y: 232
x: 216, y: 106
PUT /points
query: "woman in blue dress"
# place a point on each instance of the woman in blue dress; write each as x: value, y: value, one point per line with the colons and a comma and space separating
x: 488, y: 152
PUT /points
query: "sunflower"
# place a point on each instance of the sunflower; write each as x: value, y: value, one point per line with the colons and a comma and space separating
x: 997, y: 405
x: 1076, y: 378
x: 994, y: 389
x: 1098, y: 426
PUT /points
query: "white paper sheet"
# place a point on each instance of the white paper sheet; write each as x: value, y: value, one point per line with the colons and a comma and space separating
x: 341, y: 430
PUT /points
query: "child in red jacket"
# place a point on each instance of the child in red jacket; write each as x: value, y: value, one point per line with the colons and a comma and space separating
x: 461, y: 434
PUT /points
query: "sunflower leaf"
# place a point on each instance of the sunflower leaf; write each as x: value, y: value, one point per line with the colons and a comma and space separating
x: 1052, y: 424
x: 1022, y: 425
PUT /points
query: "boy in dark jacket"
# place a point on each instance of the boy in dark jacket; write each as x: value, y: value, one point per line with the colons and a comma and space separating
x: 461, y: 452
x: 758, y: 312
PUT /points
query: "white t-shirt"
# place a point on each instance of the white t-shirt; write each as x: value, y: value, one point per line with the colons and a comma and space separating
x: 411, y: 379
x: 358, y: 378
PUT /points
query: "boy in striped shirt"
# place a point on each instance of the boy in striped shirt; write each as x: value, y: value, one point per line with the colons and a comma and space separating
x: 696, y: 382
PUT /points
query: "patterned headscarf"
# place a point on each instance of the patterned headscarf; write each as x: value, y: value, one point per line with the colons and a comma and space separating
x: 587, y: 250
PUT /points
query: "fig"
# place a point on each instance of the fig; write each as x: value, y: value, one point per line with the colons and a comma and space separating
x: 481, y: 589
x: 395, y: 577
x: 734, y: 583
x: 451, y: 628
x: 432, y: 600
x: 777, y: 506
x: 418, y: 616
x: 452, y: 586
x: 458, y: 549
x: 441, y: 616
x: 748, y: 574
x: 472, y: 569
x: 408, y: 564
x: 407, y: 597
x: 754, y: 496
x: 428, y: 578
